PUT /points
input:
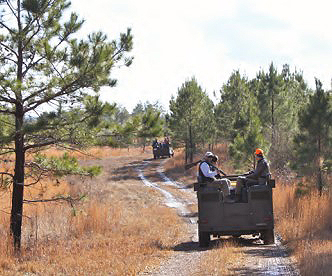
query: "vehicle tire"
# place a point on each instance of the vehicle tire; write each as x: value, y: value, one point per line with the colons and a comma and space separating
x: 268, y: 236
x: 204, y: 239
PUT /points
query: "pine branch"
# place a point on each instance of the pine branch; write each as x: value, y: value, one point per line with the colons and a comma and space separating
x: 68, y: 199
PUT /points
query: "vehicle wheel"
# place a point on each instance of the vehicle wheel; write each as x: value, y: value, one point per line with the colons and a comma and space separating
x: 204, y: 239
x: 268, y: 236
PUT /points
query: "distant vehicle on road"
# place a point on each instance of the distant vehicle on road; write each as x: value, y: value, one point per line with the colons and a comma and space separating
x: 162, y: 150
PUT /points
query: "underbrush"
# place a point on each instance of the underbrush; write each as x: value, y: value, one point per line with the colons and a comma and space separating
x: 305, y: 224
x: 98, y: 240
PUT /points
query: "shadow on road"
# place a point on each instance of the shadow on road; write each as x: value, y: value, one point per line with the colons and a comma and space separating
x: 124, y: 173
x: 189, y: 247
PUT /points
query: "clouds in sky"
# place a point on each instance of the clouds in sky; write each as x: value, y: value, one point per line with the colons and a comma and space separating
x: 177, y: 39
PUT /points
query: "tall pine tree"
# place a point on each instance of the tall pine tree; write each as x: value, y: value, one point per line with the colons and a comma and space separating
x: 44, y: 64
x: 314, y: 141
x: 191, y: 117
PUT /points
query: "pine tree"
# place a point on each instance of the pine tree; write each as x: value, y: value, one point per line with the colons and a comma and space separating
x: 279, y: 98
x: 238, y: 120
x: 232, y: 110
x: 43, y: 64
x: 151, y: 125
x: 313, y: 143
x: 191, y: 117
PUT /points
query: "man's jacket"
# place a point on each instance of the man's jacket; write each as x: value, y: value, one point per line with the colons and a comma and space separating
x: 201, y: 177
x: 262, y: 170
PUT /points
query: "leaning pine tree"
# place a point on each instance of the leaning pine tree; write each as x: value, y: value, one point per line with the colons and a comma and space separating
x: 43, y: 63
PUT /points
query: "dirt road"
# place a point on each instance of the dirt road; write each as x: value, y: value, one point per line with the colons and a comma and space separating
x: 188, y: 258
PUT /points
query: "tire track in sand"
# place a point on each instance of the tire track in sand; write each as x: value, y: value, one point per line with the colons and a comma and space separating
x: 187, y: 254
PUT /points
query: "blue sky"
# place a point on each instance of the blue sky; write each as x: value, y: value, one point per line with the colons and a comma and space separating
x: 177, y: 39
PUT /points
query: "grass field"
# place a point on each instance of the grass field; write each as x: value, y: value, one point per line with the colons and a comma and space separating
x: 97, y: 237
x: 108, y: 236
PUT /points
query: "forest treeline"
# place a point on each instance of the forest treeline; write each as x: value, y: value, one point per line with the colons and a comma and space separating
x: 275, y: 111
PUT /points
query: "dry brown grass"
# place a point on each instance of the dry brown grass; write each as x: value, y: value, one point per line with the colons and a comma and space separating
x: 305, y: 224
x: 95, y: 152
x: 98, y: 241
x: 97, y: 237
x: 104, y: 237
x: 220, y: 259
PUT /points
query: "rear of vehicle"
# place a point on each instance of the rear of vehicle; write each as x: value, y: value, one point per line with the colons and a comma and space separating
x: 164, y: 150
x: 218, y: 218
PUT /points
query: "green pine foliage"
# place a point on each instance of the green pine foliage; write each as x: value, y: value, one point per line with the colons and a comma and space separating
x: 191, y: 117
x: 243, y: 146
x: 237, y: 120
x: 279, y: 97
x: 64, y: 165
x: 43, y: 65
x: 236, y: 104
x: 314, y: 140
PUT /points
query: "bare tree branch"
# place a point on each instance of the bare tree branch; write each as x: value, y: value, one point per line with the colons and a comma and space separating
x: 40, y: 145
x: 64, y: 91
x: 8, y: 48
x: 6, y: 27
x: 6, y: 173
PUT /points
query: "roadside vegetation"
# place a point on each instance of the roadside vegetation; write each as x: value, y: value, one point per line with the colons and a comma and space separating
x: 305, y: 223
x: 100, y: 235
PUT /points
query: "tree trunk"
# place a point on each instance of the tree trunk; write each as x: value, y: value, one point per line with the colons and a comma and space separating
x: 18, y: 181
x: 186, y: 152
x: 319, y: 165
x: 18, y: 185
x: 191, y: 147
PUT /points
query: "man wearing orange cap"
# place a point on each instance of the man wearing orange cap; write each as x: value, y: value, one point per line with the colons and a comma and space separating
x: 254, y: 177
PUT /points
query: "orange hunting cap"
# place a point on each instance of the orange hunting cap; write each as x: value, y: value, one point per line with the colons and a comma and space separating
x: 259, y: 152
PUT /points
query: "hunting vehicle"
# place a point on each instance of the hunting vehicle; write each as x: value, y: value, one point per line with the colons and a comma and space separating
x: 253, y: 215
x: 162, y: 150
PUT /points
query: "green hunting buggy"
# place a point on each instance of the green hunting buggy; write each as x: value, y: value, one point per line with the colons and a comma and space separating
x: 253, y: 215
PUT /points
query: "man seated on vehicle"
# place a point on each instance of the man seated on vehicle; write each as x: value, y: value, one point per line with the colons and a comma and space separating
x: 208, y: 173
x: 166, y: 140
x: 259, y: 176
x: 155, y: 143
